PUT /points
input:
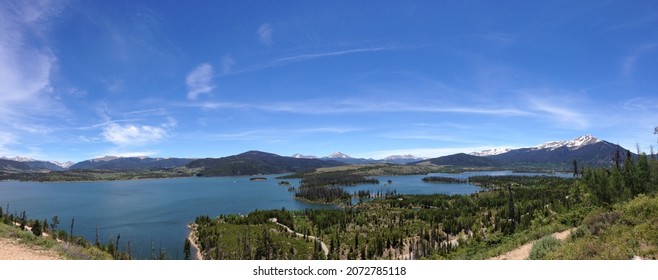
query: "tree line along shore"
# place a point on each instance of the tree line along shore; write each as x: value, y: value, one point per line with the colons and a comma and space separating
x: 611, y: 213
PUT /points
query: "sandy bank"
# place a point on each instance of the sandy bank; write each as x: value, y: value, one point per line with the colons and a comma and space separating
x: 193, y: 241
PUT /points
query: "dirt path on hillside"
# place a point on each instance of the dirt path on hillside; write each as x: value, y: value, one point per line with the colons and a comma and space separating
x: 523, y: 252
x: 325, y: 249
x: 10, y: 249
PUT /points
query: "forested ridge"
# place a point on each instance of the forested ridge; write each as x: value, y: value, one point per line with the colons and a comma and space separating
x: 508, y: 212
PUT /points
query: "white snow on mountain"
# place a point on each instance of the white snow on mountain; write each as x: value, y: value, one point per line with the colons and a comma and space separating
x: 304, y: 156
x: 105, y: 158
x: 403, y: 157
x: 574, y: 144
x: 17, y: 158
x: 27, y: 159
x: 491, y: 152
x: 64, y: 165
x: 338, y: 155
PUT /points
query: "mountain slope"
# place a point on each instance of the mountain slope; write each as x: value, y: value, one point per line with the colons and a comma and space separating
x: 256, y: 162
x: 14, y: 166
x: 38, y: 164
x: 461, y: 159
x: 596, y: 154
x: 130, y: 163
x: 587, y: 150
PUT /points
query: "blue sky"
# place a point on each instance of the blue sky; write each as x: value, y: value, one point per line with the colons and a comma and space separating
x: 83, y: 79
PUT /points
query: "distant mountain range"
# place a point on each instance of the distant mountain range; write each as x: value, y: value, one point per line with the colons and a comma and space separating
x: 257, y: 163
x: 586, y: 150
x: 339, y: 156
x: 130, y: 163
x: 33, y: 164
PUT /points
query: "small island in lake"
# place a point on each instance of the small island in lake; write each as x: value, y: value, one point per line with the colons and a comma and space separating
x: 257, y: 179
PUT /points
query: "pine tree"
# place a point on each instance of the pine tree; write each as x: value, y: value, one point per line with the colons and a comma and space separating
x: 54, y: 222
x: 643, y: 173
x: 630, y: 179
x: 97, y: 243
x: 511, y: 208
x: 36, y: 228
x: 44, y: 224
x: 187, y: 248
x: 110, y: 248
x: 71, y: 232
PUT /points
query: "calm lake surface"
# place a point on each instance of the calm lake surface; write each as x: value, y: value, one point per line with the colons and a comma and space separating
x: 153, y: 213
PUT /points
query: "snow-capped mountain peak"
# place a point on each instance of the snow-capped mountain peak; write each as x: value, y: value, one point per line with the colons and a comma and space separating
x: 105, y: 158
x: 303, y: 156
x: 582, y: 141
x: 491, y: 152
x: 64, y: 165
x: 403, y: 157
x: 17, y: 158
x: 573, y: 144
x: 338, y: 155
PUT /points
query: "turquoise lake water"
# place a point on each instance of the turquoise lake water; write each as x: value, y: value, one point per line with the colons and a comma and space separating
x: 153, y: 213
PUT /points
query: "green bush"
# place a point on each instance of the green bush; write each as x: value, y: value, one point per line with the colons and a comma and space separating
x: 579, y: 232
x: 598, y: 222
x: 543, y: 246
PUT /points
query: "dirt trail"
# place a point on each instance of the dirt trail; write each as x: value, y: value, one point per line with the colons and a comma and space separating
x: 192, y: 238
x: 523, y: 252
x: 10, y: 249
x: 325, y: 249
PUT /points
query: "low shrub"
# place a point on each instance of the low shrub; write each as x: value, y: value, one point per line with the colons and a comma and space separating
x: 543, y: 246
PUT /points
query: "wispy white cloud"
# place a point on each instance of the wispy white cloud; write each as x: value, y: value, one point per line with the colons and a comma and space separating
x: 630, y: 62
x: 336, y: 130
x: 641, y: 103
x: 114, y: 86
x: 559, y: 112
x: 130, y: 134
x: 411, y: 135
x: 6, y: 138
x: 501, y: 39
x: 319, y: 107
x: 157, y: 111
x: 24, y: 69
x: 199, y: 81
x: 303, y: 57
x: 251, y: 135
x: 635, y: 22
x: 27, y: 100
x: 227, y: 64
x: 279, y: 134
x: 265, y: 34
